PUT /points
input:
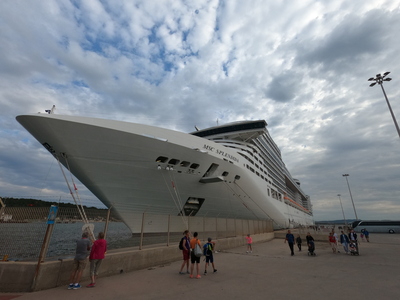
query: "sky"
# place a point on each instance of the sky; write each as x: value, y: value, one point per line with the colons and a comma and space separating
x: 303, y: 66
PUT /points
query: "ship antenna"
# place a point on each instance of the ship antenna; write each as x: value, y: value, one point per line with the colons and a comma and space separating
x: 51, y: 111
x: 196, y: 128
x: 217, y: 122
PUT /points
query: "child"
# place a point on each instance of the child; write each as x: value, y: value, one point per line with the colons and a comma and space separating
x: 332, y: 242
x: 249, y: 242
x: 208, y: 252
x: 298, y: 242
x: 362, y: 234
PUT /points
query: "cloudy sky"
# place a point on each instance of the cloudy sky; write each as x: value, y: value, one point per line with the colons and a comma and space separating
x: 300, y: 65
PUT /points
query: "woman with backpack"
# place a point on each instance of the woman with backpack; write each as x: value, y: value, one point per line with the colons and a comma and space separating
x: 184, y: 245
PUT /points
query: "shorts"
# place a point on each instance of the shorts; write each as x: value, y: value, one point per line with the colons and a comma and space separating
x: 94, y: 266
x: 194, y: 258
x: 209, y: 258
x: 186, y: 254
x: 80, y: 265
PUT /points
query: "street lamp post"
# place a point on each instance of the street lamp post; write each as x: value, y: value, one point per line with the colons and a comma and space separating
x: 345, y: 222
x: 379, y: 79
x: 351, y: 197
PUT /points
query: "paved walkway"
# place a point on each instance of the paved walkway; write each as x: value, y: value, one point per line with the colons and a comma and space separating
x: 267, y: 273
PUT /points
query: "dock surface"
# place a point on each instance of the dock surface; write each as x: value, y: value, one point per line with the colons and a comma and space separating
x: 269, y: 272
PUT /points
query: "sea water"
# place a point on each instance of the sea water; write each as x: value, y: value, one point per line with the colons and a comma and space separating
x: 23, y: 241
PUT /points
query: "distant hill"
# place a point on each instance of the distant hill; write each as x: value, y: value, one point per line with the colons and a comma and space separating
x: 22, y: 202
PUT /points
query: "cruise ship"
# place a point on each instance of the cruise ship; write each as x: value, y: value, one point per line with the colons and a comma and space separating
x: 227, y: 171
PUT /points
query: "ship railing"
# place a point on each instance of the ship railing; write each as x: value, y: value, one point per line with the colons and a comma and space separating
x: 295, y: 204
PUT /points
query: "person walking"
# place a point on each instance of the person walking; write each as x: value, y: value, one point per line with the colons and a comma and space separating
x: 208, y: 252
x: 185, y: 247
x: 353, y: 238
x: 298, y: 242
x: 344, y: 240
x: 97, y: 254
x: 336, y: 239
x: 249, y: 241
x: 366, y: 234
x: 80, y: 261
x: 290, y: 239
x: 332, y: 242
x: 362, y: 234
x: 194, y: 259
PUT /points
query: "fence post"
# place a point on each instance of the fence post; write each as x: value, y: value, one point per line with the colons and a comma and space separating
x: 107, y: 220
x: 141, y: 233
x: 50, y: 226
x: 216, y: 227
x: 169, y: 222
x: 204, y: 225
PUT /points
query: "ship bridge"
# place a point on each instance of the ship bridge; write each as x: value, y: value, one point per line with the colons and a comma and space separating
x: 240, y: 131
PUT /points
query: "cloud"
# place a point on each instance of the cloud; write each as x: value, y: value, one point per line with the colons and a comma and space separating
x: 303, y: 67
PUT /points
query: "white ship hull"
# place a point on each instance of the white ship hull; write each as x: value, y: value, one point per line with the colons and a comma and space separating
x: 120, y: 164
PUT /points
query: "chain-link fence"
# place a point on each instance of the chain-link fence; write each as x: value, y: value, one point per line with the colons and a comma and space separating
x: 23, y: 230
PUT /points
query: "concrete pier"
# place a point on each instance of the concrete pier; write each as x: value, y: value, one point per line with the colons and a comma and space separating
x: 267, y: 273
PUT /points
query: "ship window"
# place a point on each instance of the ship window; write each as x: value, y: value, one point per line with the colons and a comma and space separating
x: 194, y: 166
x: 185, y: 164
x: 161, y: 159
x: 225, y: 173
x: 173, y: 161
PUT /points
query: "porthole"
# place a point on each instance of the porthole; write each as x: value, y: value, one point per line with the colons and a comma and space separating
x: 173, y: 161
x: 194, y: 166
x: 184, y: 164
x: 161, y: 159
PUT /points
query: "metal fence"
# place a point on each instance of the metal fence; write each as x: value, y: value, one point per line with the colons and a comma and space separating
x: 23, y: 229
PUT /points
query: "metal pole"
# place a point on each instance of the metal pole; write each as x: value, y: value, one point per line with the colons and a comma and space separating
x: 45, y: 245
x: 351, y: 196
x: 107, y: 221
x: 379, y: 79
x: 169, y: 224
x: 390, y: 109
x: 141, y: 233
x: 345, y: 222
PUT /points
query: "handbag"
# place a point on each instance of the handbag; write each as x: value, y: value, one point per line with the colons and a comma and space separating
x: 197, y: 251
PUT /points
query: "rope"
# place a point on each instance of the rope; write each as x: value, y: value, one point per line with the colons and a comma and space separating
x: 80, y: 209
x: 177, y: 201
x: 76, y: 190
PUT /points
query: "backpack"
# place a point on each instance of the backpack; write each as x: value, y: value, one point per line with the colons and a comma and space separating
x: 181, y: 243
x: 197, y: 249
x: 208, y: 249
